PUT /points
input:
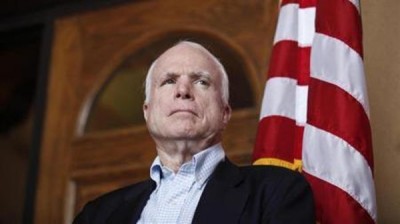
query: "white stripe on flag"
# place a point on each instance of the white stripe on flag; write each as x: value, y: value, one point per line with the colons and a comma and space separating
x: 333, y: 160
x: 306, y: 26
x: 279, y: 95
x: 342, y: 67
x: 301, y: 104
x: 296, y: 24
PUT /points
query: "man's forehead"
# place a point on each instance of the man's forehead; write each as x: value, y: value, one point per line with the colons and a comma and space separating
x: 185, y: 52
x: 185, y: 58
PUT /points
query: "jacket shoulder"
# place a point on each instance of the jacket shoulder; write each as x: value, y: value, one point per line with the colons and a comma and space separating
x: 284, y: 195
x: 103, y: 206
x: 124, y: 193
x: 268, y: 172
x: 267, y: 176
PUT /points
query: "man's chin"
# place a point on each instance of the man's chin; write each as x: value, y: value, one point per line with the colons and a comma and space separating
x: 179, y: 136
x: 185, y: 136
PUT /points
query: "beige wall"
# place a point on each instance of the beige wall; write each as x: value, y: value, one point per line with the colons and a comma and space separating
x: 381, y: 22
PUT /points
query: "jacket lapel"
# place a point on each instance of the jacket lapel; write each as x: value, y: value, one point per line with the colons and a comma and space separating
x: 223, y: 198
x: 131, y: 208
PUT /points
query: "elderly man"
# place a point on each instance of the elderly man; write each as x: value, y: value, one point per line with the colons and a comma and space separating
x: 186, y: 110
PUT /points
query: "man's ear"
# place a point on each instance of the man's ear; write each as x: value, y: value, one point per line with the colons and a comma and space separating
x: 227, y: 114
x: 145, y: 107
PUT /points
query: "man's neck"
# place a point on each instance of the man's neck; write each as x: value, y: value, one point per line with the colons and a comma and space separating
x: 173, y: 154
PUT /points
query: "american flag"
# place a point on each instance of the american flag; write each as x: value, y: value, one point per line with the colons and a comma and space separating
x: 315, y: 113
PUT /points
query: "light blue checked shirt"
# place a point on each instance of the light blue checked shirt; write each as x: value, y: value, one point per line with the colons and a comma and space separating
x: 177, y: 194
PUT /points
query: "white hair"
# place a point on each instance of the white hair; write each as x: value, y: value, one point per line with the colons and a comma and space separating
x: 220, y: 67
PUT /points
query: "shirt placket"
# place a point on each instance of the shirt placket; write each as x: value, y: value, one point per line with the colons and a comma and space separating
x: 174, y: 194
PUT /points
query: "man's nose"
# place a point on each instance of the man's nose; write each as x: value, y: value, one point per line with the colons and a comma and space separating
x: 184, y: 91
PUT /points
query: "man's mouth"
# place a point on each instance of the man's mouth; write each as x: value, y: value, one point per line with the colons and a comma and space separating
x: 183, y: 111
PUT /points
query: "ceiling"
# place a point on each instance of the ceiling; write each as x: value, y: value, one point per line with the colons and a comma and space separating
x: 17, y: 8
x: 10, y: 9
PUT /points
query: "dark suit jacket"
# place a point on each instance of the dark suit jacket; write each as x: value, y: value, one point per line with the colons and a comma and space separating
x: 252, y: 194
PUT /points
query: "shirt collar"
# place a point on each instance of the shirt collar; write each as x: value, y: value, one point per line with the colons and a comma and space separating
x: 202, y: 164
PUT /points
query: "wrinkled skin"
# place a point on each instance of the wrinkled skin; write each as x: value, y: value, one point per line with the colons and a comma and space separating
x: 185, y: 113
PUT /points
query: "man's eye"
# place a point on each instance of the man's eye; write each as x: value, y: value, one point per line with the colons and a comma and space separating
x: 203, y: 82
x: 168, y: 81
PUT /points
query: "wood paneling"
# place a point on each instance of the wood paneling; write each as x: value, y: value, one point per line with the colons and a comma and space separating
x: 76, y: 167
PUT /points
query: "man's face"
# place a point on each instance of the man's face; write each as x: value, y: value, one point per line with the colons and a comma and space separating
x: 185, y: 98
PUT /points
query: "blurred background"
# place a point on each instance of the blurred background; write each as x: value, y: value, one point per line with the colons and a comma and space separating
x: 71, y: 93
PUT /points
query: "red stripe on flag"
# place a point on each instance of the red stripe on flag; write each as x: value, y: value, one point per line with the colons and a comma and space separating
x: 334, y: 110
x: 298, y: 142
x: 303, y: 76
x: 340, y: 19
x: 275, y: 138
x: 290, y: 60
x: 302, y: 3
x: 333, y: 205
